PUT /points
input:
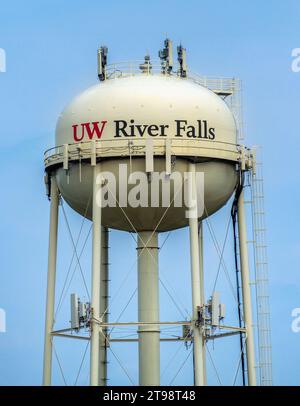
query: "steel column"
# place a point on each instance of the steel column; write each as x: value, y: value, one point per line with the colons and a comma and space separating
x: 96, y: 279
x: 104, y: 295
x: 199, y: 373
x: 52, y: 255
x: 202, y: 295
x: 250, y: 348
x: 148, y: 309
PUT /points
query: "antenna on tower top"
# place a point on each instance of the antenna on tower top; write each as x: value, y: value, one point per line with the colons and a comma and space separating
x: 181, y: 52
x: 146, y: 66
x: 102, y: 62
x: 166, y: 56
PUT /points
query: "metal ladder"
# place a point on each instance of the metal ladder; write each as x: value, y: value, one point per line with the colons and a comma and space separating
x: 261, y: 275
x: 235, y: 104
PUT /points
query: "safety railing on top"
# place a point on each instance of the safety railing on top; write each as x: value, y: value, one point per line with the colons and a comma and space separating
x: 113, y: 147
x: 220, y: 85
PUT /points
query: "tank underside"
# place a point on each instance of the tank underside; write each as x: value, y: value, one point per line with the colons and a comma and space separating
x: 161, y: 214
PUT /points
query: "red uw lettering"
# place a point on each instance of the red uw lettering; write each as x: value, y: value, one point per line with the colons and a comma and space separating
x: 86, y: 129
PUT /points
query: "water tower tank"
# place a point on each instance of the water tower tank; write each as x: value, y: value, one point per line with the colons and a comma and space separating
x: 182, y: 120
x: 128, y: 152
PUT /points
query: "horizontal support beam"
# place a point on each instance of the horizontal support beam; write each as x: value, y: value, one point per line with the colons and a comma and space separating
x: 133, y: 323
x: 118, y: 340
x: 144, y: 323
x: 77, y: 337
x: 213, y: 337
x: 132, y: 340
x: 239, y: 329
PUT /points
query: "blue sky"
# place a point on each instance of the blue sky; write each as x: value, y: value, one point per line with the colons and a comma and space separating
x: 50, y: 49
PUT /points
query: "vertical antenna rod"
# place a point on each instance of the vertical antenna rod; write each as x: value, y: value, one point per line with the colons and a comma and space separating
x: 181, y: 57
x: 52, y: 255
x: 166, y: 56
x: 102, y: 62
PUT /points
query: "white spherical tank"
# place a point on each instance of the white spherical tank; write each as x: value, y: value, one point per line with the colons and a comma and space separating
x: 119, y: 117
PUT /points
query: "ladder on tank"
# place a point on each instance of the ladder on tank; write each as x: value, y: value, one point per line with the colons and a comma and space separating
x: 261, y: 275
x: 235, y: 104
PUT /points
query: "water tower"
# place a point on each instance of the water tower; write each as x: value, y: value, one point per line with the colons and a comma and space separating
x: 150, y: 148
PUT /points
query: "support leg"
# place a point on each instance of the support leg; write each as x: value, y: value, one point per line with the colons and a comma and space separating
x: 104, y: 295
x: 148, y: 303
x: 202, y: 295
x: 250, y: 349
x: 52, y: 255
x: 96, y: 280
x: 196, y: 282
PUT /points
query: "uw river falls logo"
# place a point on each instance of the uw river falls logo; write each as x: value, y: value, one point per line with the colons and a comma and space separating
x: 122, y: 128
x: 88, y: 130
